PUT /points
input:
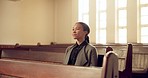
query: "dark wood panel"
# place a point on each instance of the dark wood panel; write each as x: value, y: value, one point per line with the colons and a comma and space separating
x: 45, y: 56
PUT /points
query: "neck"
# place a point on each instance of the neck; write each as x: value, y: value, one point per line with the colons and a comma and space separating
x: 79, y: 41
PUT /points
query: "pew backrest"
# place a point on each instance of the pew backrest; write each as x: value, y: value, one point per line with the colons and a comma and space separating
x: 27, y: 69
x: 53, y: 49
x: 140, y: 62
x: 33, y: 55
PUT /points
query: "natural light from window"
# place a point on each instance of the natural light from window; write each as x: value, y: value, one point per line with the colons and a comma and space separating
x: 143, y: 1
x: 83, y: 11
x: 122, y: 21
x: 101, y: 21
x: 121, y: 3
x: 144, y: 18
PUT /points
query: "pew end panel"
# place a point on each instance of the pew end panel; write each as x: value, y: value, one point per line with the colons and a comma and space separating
x: 110, y: 65
x: 125, y: 59
x: 127, y: 71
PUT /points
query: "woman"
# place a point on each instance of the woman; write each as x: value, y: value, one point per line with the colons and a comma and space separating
x: 81, y: 53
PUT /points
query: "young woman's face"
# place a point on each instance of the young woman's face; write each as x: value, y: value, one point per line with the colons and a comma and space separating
x: 78, y: 32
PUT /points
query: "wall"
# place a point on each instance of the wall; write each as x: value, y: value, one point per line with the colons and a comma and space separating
x: 46, y: 21
x: 37, y: 21
x: 26, y: 21
x: 9, y: 22
x: 63, y: 17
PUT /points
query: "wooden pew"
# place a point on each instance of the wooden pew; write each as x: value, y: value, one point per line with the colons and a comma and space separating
x: 127, y: 71
x: 140, y: 65
x: 45, y: 56
x: 53, y: 48
x: 35, y: 69
x: 110, y: 65
x: 23, y: 49
x: 28, y: 69
x: 140, y: 62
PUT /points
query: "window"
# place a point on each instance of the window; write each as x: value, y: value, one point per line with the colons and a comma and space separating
x: 83, y: 11
x: 143, y: 20
x: 122, y: 21
x: 101, y: 21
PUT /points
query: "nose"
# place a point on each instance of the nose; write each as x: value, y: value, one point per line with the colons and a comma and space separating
x: 74, y: 31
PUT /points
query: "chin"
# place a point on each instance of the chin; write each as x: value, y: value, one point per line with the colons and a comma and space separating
x: 74, y: 38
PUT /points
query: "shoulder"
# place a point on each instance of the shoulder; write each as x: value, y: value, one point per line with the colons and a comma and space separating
x: 69, y: 47
x: 90, y: 47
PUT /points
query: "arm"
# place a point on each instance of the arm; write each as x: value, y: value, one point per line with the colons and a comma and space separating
x: 93, y: 57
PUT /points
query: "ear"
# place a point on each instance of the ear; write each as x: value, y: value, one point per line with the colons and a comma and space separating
x: 86, y: 32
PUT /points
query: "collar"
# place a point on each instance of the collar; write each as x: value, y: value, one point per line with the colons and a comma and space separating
x: 82, y: 44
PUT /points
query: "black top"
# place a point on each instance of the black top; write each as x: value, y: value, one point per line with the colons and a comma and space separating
x: 74, y: 53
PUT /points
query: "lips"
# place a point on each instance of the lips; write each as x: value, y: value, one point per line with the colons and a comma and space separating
x: 74, y: 34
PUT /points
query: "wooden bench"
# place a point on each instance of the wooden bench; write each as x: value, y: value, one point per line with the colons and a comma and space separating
x: 140, y: 65
x: 62, y: 50
x: 127, y: 72
x: 28, y: 69
x: 110, y: 65
x: 125, y: 62
x: 44, y: 56
x: 53, y: 48
x: 36, y: 69
x: 25, y: 49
